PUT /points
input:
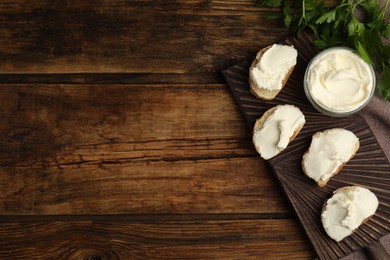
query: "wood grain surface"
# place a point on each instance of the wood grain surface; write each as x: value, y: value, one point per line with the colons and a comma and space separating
x: 137, y: 36
x: 129, y: 148
x: 119, y: 138
x: 207, y: 239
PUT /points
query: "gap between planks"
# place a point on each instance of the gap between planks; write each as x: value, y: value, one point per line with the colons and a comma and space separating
x: 143, y: 217
x: 113, y: 78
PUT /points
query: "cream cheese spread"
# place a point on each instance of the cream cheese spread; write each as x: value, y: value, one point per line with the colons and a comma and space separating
x: 273, y: 65
x: 328, y: 151
x: 274, y: 134
x: 346, y: 210
x: 339, y: 80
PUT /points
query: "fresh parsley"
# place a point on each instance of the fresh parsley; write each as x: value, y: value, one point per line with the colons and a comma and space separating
x: 358, y: 24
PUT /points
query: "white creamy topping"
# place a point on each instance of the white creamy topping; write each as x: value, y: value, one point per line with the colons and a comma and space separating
x: 273, y: 65
x: 339, y: 80
x: 346, y: 210
x: 274, y: 135
x: 327, y: 152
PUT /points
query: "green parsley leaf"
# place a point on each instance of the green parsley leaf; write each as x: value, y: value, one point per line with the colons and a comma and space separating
x: 362, y: 52
x: 274, y: 16
x: 383, y: 85
x: 270, y: 3
x: 371, y: 5
x: 355, y: 27
x: 311, y: 5
x: 327, y: 17
x: 321, y: 44
x: 311, y: 15
x: 287, y: 20
x: 386, y: 31
x: 288, y: 17
x: 386, y: 51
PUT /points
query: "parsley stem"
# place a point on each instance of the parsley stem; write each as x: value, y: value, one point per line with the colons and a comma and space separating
x: 303, y: 17
x: 382, y: 14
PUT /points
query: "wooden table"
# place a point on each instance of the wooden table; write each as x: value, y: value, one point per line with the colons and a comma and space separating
x: 119, y: 137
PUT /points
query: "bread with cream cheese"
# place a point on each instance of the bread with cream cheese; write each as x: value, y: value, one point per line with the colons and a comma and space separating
x: 347, y: 209
x: 256, y: 88
x: 288, y: 114
x: 328, y: 153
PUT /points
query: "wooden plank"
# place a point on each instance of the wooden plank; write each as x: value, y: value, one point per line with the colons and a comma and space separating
x: 95, y: 114
x: 231, y: 239
x: 92, y: 149
x: 120, y: 187
x: 141, y: 36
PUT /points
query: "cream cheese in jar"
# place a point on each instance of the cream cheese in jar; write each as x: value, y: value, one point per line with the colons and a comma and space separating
x: 339, y: 82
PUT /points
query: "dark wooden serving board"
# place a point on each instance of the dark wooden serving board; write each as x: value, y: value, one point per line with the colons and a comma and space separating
x: 369, y: 168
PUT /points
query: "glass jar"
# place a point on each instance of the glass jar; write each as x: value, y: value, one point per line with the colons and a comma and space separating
x: 329, y: 90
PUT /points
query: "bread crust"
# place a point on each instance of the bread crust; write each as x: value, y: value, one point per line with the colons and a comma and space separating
x: 259, y: 123
x: 322, y: 183
x: 259, y: 91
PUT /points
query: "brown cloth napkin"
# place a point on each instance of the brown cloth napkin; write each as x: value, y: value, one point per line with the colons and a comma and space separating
x: 377, y: 115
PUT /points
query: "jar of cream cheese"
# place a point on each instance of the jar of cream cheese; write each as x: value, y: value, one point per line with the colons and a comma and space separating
x: 338, y: 82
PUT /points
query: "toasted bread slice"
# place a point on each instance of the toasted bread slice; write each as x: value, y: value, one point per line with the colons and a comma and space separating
x: 260, y: 91
x: 262, y: 121
x: 328, y: 153
x: 359, y: 203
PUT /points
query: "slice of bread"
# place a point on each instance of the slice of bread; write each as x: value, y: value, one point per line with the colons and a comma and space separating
x: 316, y: 158
x: 355, y: 204
x: 263, y: 119
x: 258, y: 90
